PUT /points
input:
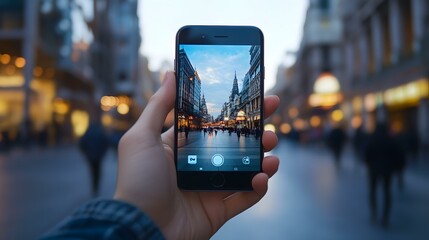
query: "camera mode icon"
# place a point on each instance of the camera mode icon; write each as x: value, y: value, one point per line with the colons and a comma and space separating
x: 192, y: 159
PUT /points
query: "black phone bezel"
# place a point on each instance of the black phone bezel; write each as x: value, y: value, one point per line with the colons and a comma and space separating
x: 218, y: 35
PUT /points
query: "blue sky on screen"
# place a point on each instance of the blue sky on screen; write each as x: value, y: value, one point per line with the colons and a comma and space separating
x: 216, y: 66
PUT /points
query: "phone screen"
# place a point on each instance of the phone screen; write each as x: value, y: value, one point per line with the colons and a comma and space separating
x: 219, y: 122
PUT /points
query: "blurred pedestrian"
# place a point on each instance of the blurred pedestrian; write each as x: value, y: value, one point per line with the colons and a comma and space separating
x: 359, y: 142
x: 94, y: 145
x: 411, y: 144
x: 238, y: 133
x: 294, y: 135
x: 383, y: 157
x: 402, y: 142
x: 5, y: 141
x: 43, y: 137
x: 115, y: 136
x: 336, y: 140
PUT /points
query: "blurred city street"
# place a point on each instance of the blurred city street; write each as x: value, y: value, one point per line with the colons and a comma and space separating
x: 308, y: 198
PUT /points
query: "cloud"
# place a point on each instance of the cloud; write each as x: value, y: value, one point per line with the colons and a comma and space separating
x: 210, y: 75
x: 213, y: 109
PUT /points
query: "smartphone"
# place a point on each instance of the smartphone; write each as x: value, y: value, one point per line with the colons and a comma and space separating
x: 219, y: 107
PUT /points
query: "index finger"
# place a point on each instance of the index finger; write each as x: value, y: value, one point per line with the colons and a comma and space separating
x: 271, y: 103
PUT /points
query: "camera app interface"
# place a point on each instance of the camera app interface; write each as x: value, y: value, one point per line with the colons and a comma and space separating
x: 219, y: 108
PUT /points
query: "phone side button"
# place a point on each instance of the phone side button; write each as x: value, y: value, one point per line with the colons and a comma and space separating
x: 217, y: 180
x: 263, y: 77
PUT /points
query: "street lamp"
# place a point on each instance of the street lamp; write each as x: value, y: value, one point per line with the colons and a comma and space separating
x: 190, y: 121
x: 226, y: 119
x: 181, y: 120
x: 326, y: 91
x: 241, y: 116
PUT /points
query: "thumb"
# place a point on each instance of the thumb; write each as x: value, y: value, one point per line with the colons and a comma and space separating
x: 159, y: 105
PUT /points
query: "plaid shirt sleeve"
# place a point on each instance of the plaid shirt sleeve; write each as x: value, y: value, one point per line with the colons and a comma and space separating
x: 106, y: 219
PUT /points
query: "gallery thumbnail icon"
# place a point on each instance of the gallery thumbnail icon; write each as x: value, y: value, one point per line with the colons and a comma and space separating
x: 246, y: 160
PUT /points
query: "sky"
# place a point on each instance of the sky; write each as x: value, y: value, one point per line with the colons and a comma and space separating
x: 281, y: 21
x: 80, y: 30
x: 217, y: 66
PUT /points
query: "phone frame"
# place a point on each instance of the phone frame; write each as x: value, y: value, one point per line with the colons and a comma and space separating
x: 218, y: 35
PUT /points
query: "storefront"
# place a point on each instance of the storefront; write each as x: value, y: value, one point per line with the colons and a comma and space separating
x: 12, y: 97
x: 191, y: 122
x: 58, y: 102
x: 403, y: 107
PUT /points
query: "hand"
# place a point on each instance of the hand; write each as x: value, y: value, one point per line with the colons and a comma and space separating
x: 147, y: 175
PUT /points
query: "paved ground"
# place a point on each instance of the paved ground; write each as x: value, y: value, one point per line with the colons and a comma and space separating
x: 308, y: 199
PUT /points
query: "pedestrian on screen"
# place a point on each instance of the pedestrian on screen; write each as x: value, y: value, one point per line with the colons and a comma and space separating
x: 94, y: 145
x: 186, y: 132
x: 257, y: 133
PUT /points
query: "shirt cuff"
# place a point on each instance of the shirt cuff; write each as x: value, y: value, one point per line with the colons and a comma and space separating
x: 108, y: 218
x: 121, y: 212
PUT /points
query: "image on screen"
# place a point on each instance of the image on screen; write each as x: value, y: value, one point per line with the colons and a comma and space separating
x: 219, y: 108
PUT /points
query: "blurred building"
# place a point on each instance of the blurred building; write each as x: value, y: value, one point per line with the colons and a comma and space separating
x: 116, y: 61
x: 39, y: 90
x: 359, y: 62
x: 310, y: 87
x: 59, y: 60
x: 386, y: 75
x: 115, y: 49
